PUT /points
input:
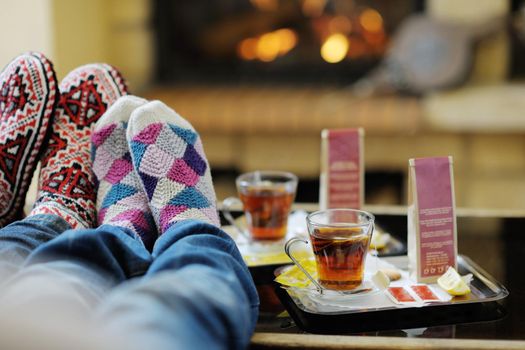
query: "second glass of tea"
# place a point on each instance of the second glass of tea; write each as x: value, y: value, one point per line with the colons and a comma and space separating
x: 340, y: 239
x: 267, y: 198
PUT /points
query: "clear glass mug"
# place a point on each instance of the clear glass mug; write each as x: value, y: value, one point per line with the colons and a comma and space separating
x: 266, y: 198
x: 340, y: 240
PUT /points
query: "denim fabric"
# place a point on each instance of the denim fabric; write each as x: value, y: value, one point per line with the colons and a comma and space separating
x: 20, y: 238
x: 193, y: 291
x: 196, y: 294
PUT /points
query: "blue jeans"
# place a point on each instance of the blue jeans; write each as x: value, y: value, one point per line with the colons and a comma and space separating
x: 193, y: 291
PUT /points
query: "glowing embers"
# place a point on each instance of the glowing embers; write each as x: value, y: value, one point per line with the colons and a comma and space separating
x: 339, y: 34
x: 269, y: 46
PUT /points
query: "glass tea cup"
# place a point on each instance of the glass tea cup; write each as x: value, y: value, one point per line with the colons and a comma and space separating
x: 340, y: 240
x: 266, y: 198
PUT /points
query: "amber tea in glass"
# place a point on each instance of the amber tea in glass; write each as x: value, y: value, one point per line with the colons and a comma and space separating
x: 266, y: 209
x: 267, y: 198
x: 340, y: 255
x: 340, y: 239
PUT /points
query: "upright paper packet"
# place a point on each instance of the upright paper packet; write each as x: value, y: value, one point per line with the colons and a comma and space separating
x: 432, y: 230
x: 342, y: 169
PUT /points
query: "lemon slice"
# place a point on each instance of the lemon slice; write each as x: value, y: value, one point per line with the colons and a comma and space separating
x: 294, y: 277
x: 379, y: 240
x: 452, y: 283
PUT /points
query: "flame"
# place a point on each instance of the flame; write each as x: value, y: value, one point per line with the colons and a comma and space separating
x: 335, y: 48
x: 371, y: 20
x: 247, y: 49
x: 287, y: 40
x: 268, y: 46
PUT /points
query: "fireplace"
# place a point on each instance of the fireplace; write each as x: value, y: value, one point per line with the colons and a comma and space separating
x: 275, y: 41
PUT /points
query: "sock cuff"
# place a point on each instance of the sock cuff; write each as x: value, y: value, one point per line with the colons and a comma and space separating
x: 50, y: 206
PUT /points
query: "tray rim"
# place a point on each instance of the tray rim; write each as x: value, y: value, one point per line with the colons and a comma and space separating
x: 472, y: 267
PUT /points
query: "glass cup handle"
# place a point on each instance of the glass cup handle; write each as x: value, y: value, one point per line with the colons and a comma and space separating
x: 226, y: 211
x: 373, y: 252
x: 287, y: 247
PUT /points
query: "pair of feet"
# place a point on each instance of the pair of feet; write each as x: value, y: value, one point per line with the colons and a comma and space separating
x: 151, y: 169
x: 41, y: 121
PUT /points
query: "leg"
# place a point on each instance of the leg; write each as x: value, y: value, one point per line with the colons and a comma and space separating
x: 66, y: 179
x: 198, y: 293
x: 28, y: 99
x: 88, y: 261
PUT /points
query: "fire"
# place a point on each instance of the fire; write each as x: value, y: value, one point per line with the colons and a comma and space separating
x: 287, y: 40
x: 247, y: 49
x: 342, y: 36
x: 335, y: 48
x: 269, y: 46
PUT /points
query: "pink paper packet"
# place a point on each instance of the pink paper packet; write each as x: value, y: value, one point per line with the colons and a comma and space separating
x: 342, y: 169
x: 432, y: 232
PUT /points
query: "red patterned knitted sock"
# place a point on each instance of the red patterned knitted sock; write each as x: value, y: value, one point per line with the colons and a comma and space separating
x: 67, y: 182
x: 28, y: 96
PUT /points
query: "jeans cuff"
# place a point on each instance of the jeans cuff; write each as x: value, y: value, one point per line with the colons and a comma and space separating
x: 54, y: 222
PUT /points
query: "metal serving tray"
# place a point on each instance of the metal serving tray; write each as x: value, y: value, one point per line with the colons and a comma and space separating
x: 482, y: 304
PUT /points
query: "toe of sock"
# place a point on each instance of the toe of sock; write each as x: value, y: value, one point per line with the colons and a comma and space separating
x: 99, y: 71
x: 120, y: 111
x: 154, y: 112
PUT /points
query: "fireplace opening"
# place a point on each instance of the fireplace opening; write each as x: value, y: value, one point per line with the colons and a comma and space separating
x: 273, y: 41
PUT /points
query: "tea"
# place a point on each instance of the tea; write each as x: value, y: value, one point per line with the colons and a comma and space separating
x: 340, y: 255
x: 267, y: 210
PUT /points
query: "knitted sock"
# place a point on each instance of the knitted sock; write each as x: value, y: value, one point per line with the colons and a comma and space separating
x: 168, y: 156
x: 28, y: 96
x: 66, y: 181
x: 120, y: 198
